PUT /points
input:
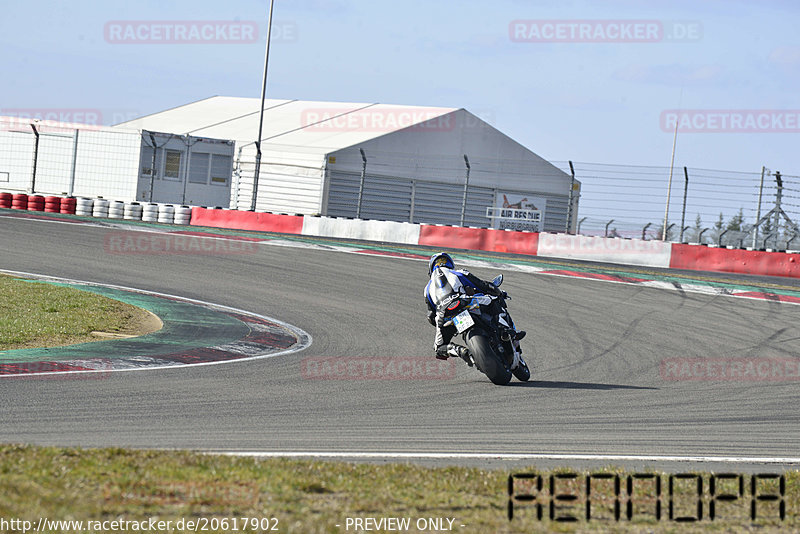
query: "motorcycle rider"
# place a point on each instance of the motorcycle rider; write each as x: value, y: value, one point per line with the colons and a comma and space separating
x: 446, y: 280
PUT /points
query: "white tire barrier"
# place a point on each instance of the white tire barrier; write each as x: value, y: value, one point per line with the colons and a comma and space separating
x: 100, y: 208
x: 133, y: 211
x: 150, y: 212
x: 84, y: 206
x: 166, y: 213
x: 116, y: 210
x: 183, y: 215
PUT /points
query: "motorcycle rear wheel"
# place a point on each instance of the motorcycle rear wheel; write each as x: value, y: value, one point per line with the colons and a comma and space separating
x: 486, y: 359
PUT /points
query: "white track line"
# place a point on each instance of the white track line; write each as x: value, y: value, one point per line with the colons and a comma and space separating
x: 513, y: 456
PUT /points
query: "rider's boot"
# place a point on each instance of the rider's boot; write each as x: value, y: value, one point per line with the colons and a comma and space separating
x: 460, y: 352
x: 463, y: 353
x: 444, y: 352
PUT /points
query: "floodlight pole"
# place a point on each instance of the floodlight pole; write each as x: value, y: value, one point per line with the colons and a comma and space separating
x: 669, y: 185
x: 261, y: 111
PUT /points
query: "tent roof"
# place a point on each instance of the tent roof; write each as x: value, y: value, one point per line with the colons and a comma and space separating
x: 289, y: 125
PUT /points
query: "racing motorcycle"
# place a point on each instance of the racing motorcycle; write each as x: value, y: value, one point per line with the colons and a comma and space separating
x: 490, y: 338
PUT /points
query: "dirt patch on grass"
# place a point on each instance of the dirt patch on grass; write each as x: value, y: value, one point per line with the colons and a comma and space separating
x: 141, y: 322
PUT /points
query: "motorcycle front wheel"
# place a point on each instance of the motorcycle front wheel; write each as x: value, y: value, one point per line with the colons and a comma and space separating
x: 486, y: 359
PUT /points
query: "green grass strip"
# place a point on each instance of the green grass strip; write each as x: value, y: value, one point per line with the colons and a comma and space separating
x: 314, y: 496
x: 46, y: 315
x: 185, y: 326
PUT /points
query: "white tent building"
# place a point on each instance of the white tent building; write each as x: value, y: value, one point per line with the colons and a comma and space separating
x: 377, y: 161
x: 44, y: 156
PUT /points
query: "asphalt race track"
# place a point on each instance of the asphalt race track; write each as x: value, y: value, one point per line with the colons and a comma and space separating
x: 594, y: 348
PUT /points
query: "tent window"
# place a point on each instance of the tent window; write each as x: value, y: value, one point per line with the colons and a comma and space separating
x: 172, y: 167
x: 147, y: 161
x: 220, y: 169
x: 198, y: 170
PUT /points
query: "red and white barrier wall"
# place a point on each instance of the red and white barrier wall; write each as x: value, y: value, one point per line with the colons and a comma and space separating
x: 599, y: 249
x: 700, y: 258
x: 606, y: 250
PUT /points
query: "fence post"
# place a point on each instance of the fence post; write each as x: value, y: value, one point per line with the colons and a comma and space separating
x: 721, y: 235
x: 464, y: 198
x: 413, y: 198
x: 607, y: 225
x: 778, y: 197
x: 35, y: 158
x: 152, y: 165
x: 74, y: 162
x: 795, y: 235
x: 766, y: 238
x: 236, y: 184
x: 189, y: 144
x: 571, y: 189
x: 683, y: 211
x: 361, y: 184
x: 669, y: 229
x: 758, y: 213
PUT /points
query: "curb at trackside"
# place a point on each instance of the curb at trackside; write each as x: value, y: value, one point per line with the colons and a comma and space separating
x: 194, y: 333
